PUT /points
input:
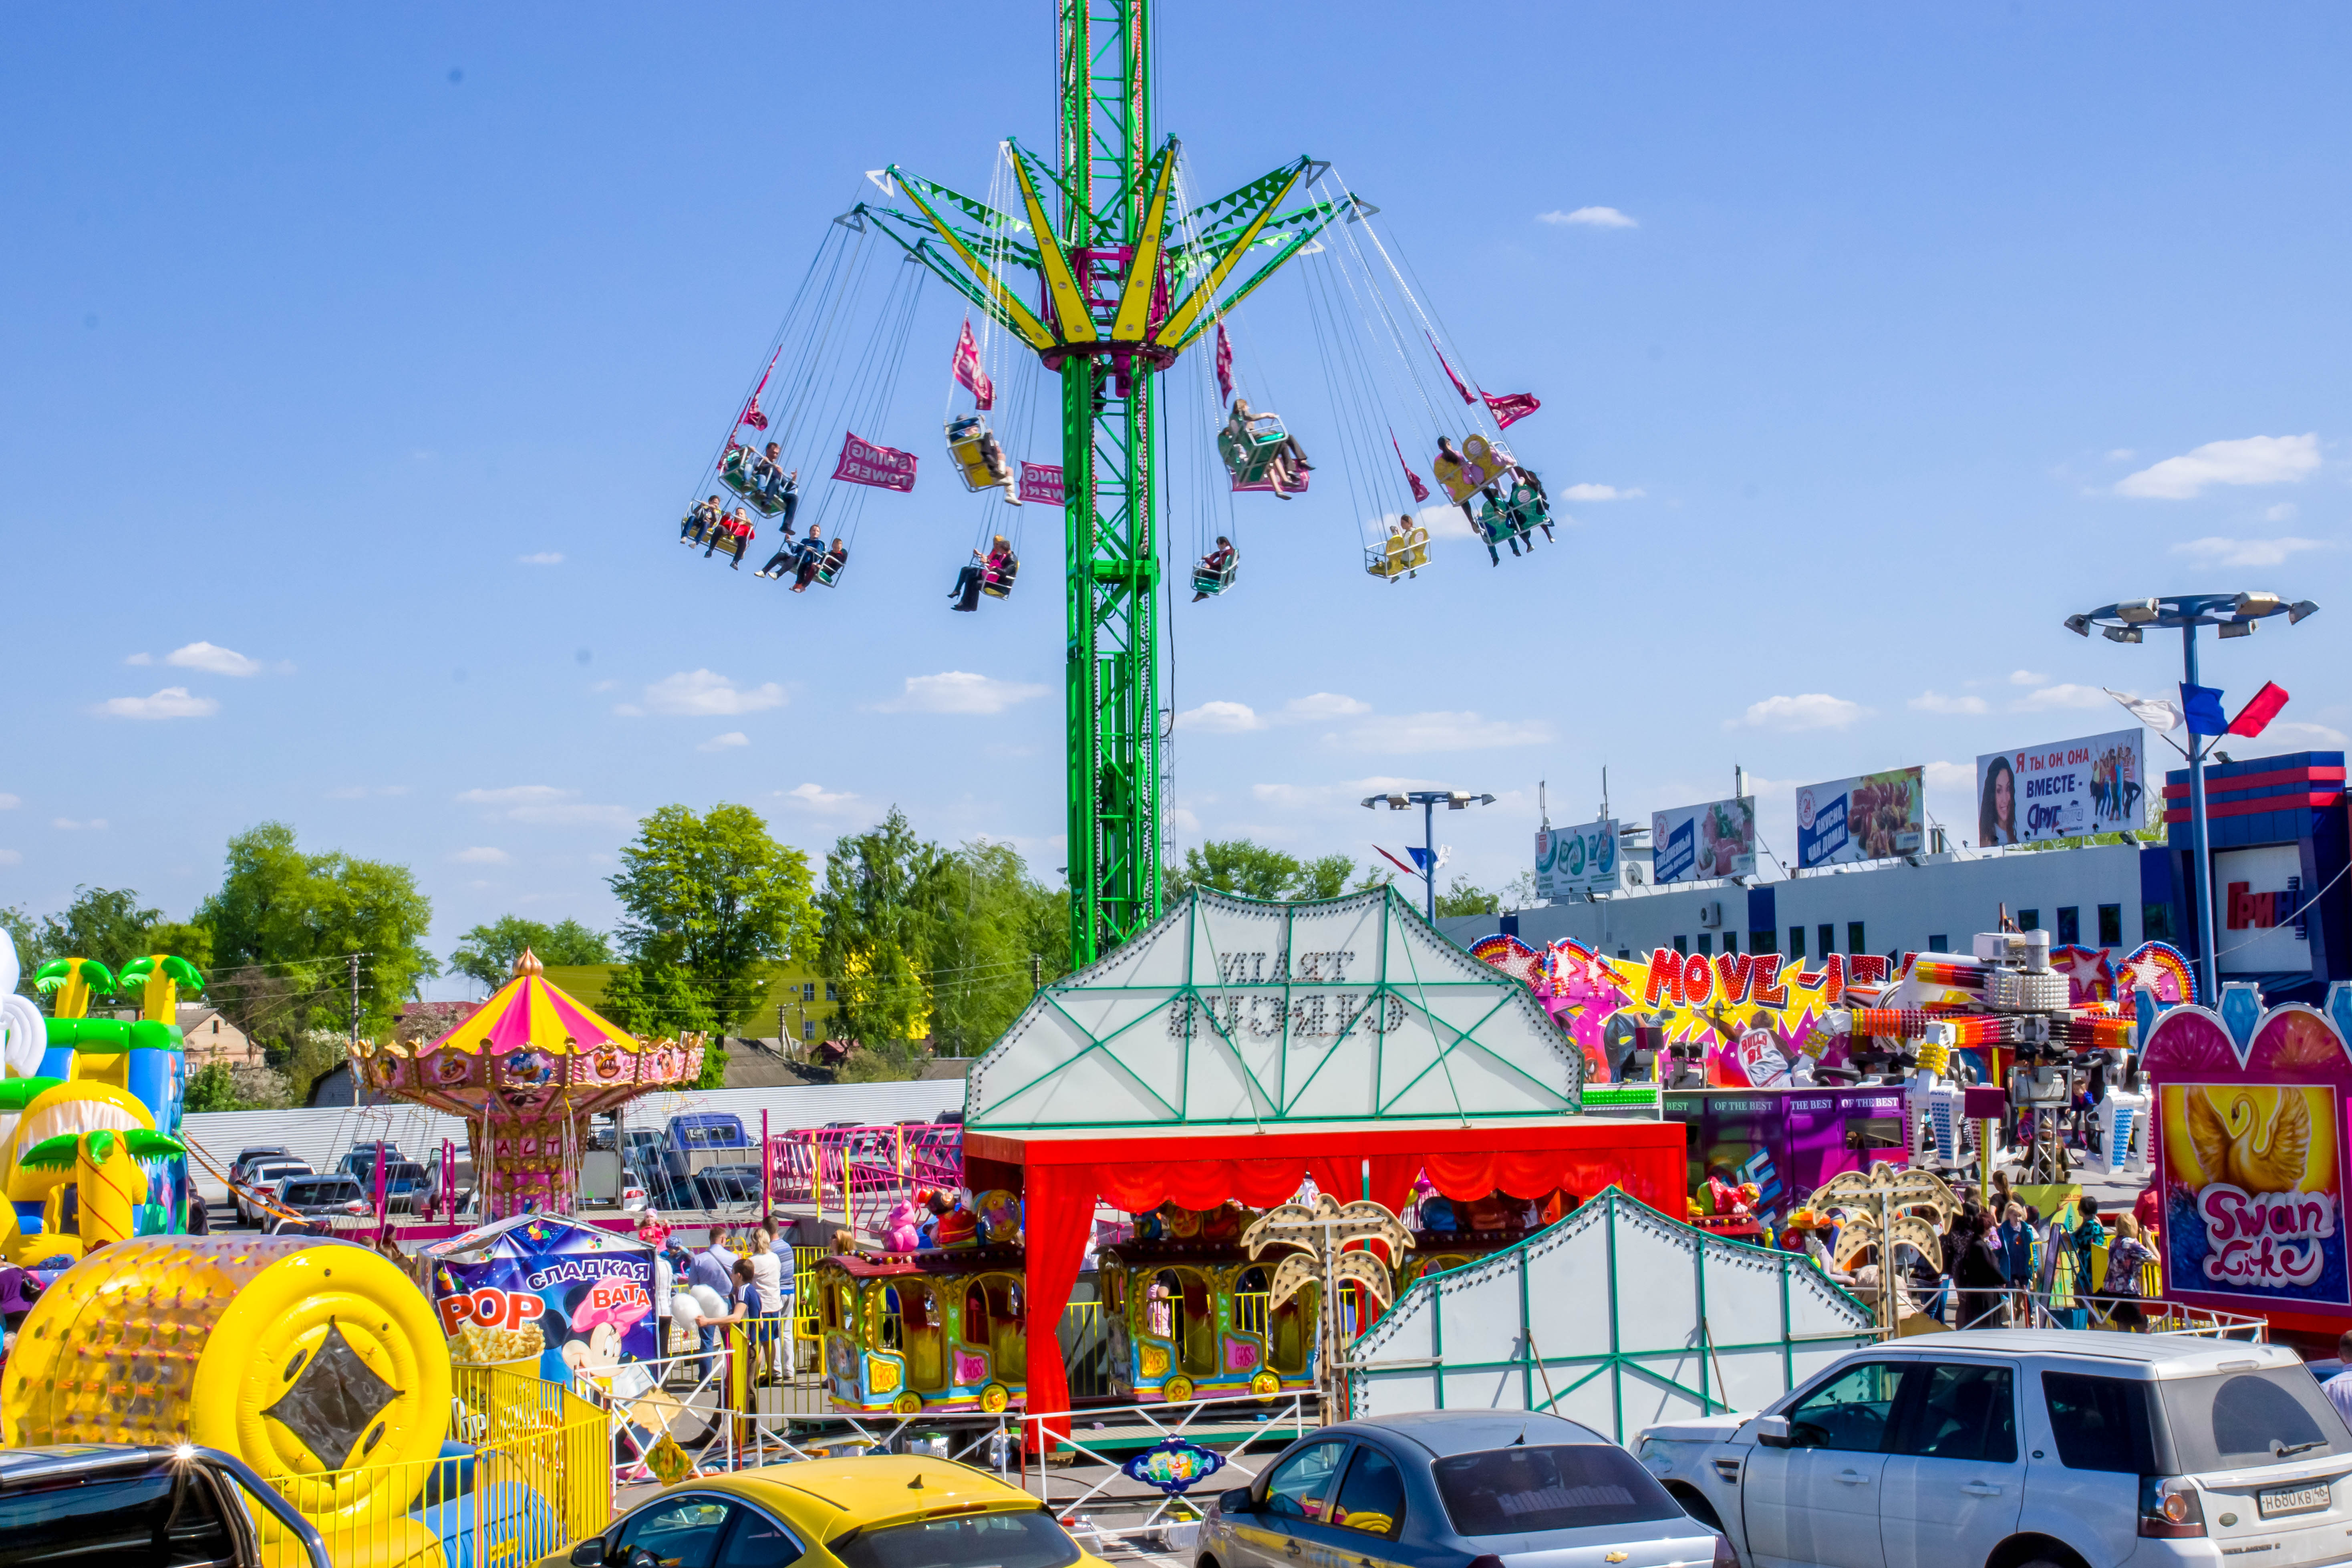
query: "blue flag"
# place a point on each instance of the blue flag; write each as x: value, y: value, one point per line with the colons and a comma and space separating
x: 1421, y: 857
x: 2201, y: 705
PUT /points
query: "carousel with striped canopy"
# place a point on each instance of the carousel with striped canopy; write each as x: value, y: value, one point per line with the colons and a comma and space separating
x: 526, y: 1070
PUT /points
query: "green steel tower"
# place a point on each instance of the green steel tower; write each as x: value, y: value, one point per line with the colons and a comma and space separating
x: 1120, y: 282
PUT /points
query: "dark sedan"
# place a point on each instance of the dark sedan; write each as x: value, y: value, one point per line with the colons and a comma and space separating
x: 1487, y: 1488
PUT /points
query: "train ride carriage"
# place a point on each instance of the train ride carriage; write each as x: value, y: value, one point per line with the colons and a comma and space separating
x: 1189, y: 1320
x: 933, y: 1331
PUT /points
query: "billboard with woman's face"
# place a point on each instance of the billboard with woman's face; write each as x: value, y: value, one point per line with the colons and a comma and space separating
x: 2063, y: 790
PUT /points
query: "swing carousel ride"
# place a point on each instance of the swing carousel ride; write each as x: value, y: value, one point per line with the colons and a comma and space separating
x: 1103, y: 269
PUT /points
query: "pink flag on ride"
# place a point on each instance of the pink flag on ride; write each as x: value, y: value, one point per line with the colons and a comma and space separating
x: 1420, y: 491
x: 1510, y: 406
x: 864, y: 463
x: 751, y: 415
x: 1225, y: 364
x: 968, y: 372
x: 1449, y: 373
x: 1042, y: 482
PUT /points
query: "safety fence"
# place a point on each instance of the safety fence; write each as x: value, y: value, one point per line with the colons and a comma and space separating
x: 524, y: 1475
x: 860, y: 1173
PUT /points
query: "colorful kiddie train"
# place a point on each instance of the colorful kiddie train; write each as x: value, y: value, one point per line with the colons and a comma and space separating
x: 1187, y: 1313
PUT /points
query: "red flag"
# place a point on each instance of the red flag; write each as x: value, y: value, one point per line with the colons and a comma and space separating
x: 1408, y: 871
x: 1042, y: 482
x: 1224, y: 365
x: 865, y: 463
x: 2259, y: 710
x: 751, y: 415
x: 968, y: 372
x: 1449, y: 373
x: 1510, y: 406
x: 1420, y: 491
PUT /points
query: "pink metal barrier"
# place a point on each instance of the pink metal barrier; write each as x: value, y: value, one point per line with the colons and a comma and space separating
x: 860, y: 1173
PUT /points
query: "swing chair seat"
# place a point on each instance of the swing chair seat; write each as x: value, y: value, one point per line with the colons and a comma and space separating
x: 1483, y: 463
x: 998, y: 584
x: 1400, y: 554
x: 1504, y: 524
x: 735, y: 473
x: 1248, y: 457
x: 1527, y: 505
x: 731, y: 545
x: 968, y: 448
x: 1214, y: 579
x: 829, y: 569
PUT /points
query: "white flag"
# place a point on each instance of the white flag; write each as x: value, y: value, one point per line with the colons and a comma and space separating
x: 2147, y: 709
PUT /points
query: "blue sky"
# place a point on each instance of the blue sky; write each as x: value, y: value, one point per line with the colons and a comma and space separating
x: 327, y: 330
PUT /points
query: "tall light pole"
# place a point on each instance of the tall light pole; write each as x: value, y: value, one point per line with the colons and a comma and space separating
x: 2236, y: 616
x: 1429, y: 800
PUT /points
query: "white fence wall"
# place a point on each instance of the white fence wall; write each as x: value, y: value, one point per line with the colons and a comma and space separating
x: 321, y: 1136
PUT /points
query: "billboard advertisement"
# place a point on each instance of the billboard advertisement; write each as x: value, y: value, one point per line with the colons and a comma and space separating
x: 2253, y: 1193
x: 1691, y: 843
x: 2063, y: 790
x: 1574, y: 863
x: 575, y: 1298
x: 1873, y: 817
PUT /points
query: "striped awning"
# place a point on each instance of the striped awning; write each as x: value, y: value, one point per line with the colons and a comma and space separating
x: 529, y: 1013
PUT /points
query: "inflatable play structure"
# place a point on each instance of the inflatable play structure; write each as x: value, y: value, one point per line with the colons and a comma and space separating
x: 320, y: 1365
x: 526, y: 1070
x: 89, y: 1123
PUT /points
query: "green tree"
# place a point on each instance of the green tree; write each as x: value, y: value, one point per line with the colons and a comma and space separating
x: 990, y: 918
x: 880, y: 917
x: 656, y: 999
x: 210, y: 1088
x: 284, y: 926
x: 1253, y: 871
x: 104, y: 924
x: 183, y: 938
x: 715, y: 896
x: 487, y: 952
x: 1462, y: 897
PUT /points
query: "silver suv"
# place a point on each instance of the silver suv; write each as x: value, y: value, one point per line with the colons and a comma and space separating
x: 2011, y: 1448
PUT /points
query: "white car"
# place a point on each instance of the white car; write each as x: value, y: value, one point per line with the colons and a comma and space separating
x: 2014, y: 1449
x: 262, y: 1177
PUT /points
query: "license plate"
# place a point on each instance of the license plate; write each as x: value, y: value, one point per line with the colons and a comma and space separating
x: 2292, y: 1500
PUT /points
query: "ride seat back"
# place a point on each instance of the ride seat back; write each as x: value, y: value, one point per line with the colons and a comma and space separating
x: 1481, y: 463
x: 968, y: 446
x: 1248, y: 454
x: 997, y: 581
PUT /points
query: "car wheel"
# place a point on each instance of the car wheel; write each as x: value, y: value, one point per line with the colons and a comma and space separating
x: 1698, y: 1508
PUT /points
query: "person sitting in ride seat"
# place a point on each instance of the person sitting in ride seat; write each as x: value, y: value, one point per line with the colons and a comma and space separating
x: 1445, y: 450
x: 806, y: 559
x: 834, y: 560
x: 1543, y: 501
x: 982, y: 568
x: 700, y: 519
x: 1289, y: 457
x: 777, y: 485
x: 1402, y: 531
x: 781, y: 561
x: 736, y: 526
x: 1216, y: 561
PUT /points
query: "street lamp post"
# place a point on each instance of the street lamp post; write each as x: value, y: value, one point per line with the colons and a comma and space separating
x: 2236, y: 616
x: 1429, y: 800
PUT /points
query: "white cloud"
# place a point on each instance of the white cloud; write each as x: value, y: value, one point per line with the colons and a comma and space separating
x: 1808, y: 711
x: 818, y: 798
x: 1591, y: 217
x: 1444, y: 731
x: 140, y: 658
x: 728, y: 742
x: 482, y: 855
x: 544, y: 805
x: 2284, y: 512
x: 2122, y: 455
x: 959, y: 691
x: 1937, y: 703
x: 11, y: 857
x: 2216, y: 551
x: 1962, y: 776
x: 1446, y: 521
x: 2062, y: 696
x: 2286, y: 735
x: 1602, y: 492
x: 212, y: 659
x: 543, y: 557
x: 1220, y: 719
x: 1323, y: 705
x: 70, y: 825
x: 2256, y: 460
x: 2027, y: 677
x: 703, y: 694
x: 1297, y: 798
x: 171, y: 702
x: 9, y: 802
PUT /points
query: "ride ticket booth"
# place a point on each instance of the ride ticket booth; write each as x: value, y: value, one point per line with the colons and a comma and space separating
x: 1236, y: 1048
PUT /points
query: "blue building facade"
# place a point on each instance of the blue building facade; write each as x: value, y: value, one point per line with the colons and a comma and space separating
x: 2281, y: 842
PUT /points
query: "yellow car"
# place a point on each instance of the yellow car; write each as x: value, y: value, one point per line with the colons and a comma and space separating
x: 872, y: 1511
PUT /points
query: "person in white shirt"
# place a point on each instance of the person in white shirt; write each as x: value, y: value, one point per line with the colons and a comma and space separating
x: 2338, y: 1388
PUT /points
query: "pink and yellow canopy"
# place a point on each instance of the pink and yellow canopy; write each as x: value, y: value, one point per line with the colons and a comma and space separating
x: 529, y: 1013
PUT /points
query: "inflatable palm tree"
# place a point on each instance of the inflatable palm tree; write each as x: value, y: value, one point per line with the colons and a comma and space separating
x: 108, y: 1176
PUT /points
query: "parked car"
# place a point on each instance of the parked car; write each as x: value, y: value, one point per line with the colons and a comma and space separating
x: 256, y: 1154
x: 881, y: 1510
x: 2020, y: 1447
x: 264, y: 1176
x: 719, y: 1186
x: 405, y: 1185
x: 319, y: 1199
x: 1446, y: 1488
x: 134, y: 1507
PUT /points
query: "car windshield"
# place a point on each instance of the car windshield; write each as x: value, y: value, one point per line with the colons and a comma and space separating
x: 1522, y: 1491
x: 321, y: 1191
x: 2234, y: 1419
x: 1026, y: 1538
x: 128, y: 1523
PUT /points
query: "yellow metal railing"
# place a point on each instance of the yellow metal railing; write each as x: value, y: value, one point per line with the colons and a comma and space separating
x: 805, y: 1324
x: 1249, y: 1312
x: 539, y: 1477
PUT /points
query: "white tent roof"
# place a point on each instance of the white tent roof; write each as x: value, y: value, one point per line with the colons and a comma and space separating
x: 1230, y: 1012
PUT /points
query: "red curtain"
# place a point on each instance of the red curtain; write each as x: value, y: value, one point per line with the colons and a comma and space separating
x: 1058, y: 1212
x: 1534, y: 1172
x: 1197, y: 1183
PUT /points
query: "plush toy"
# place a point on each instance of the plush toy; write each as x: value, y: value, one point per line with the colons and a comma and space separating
x: 952, y: 1224
x: 902, y: 1226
